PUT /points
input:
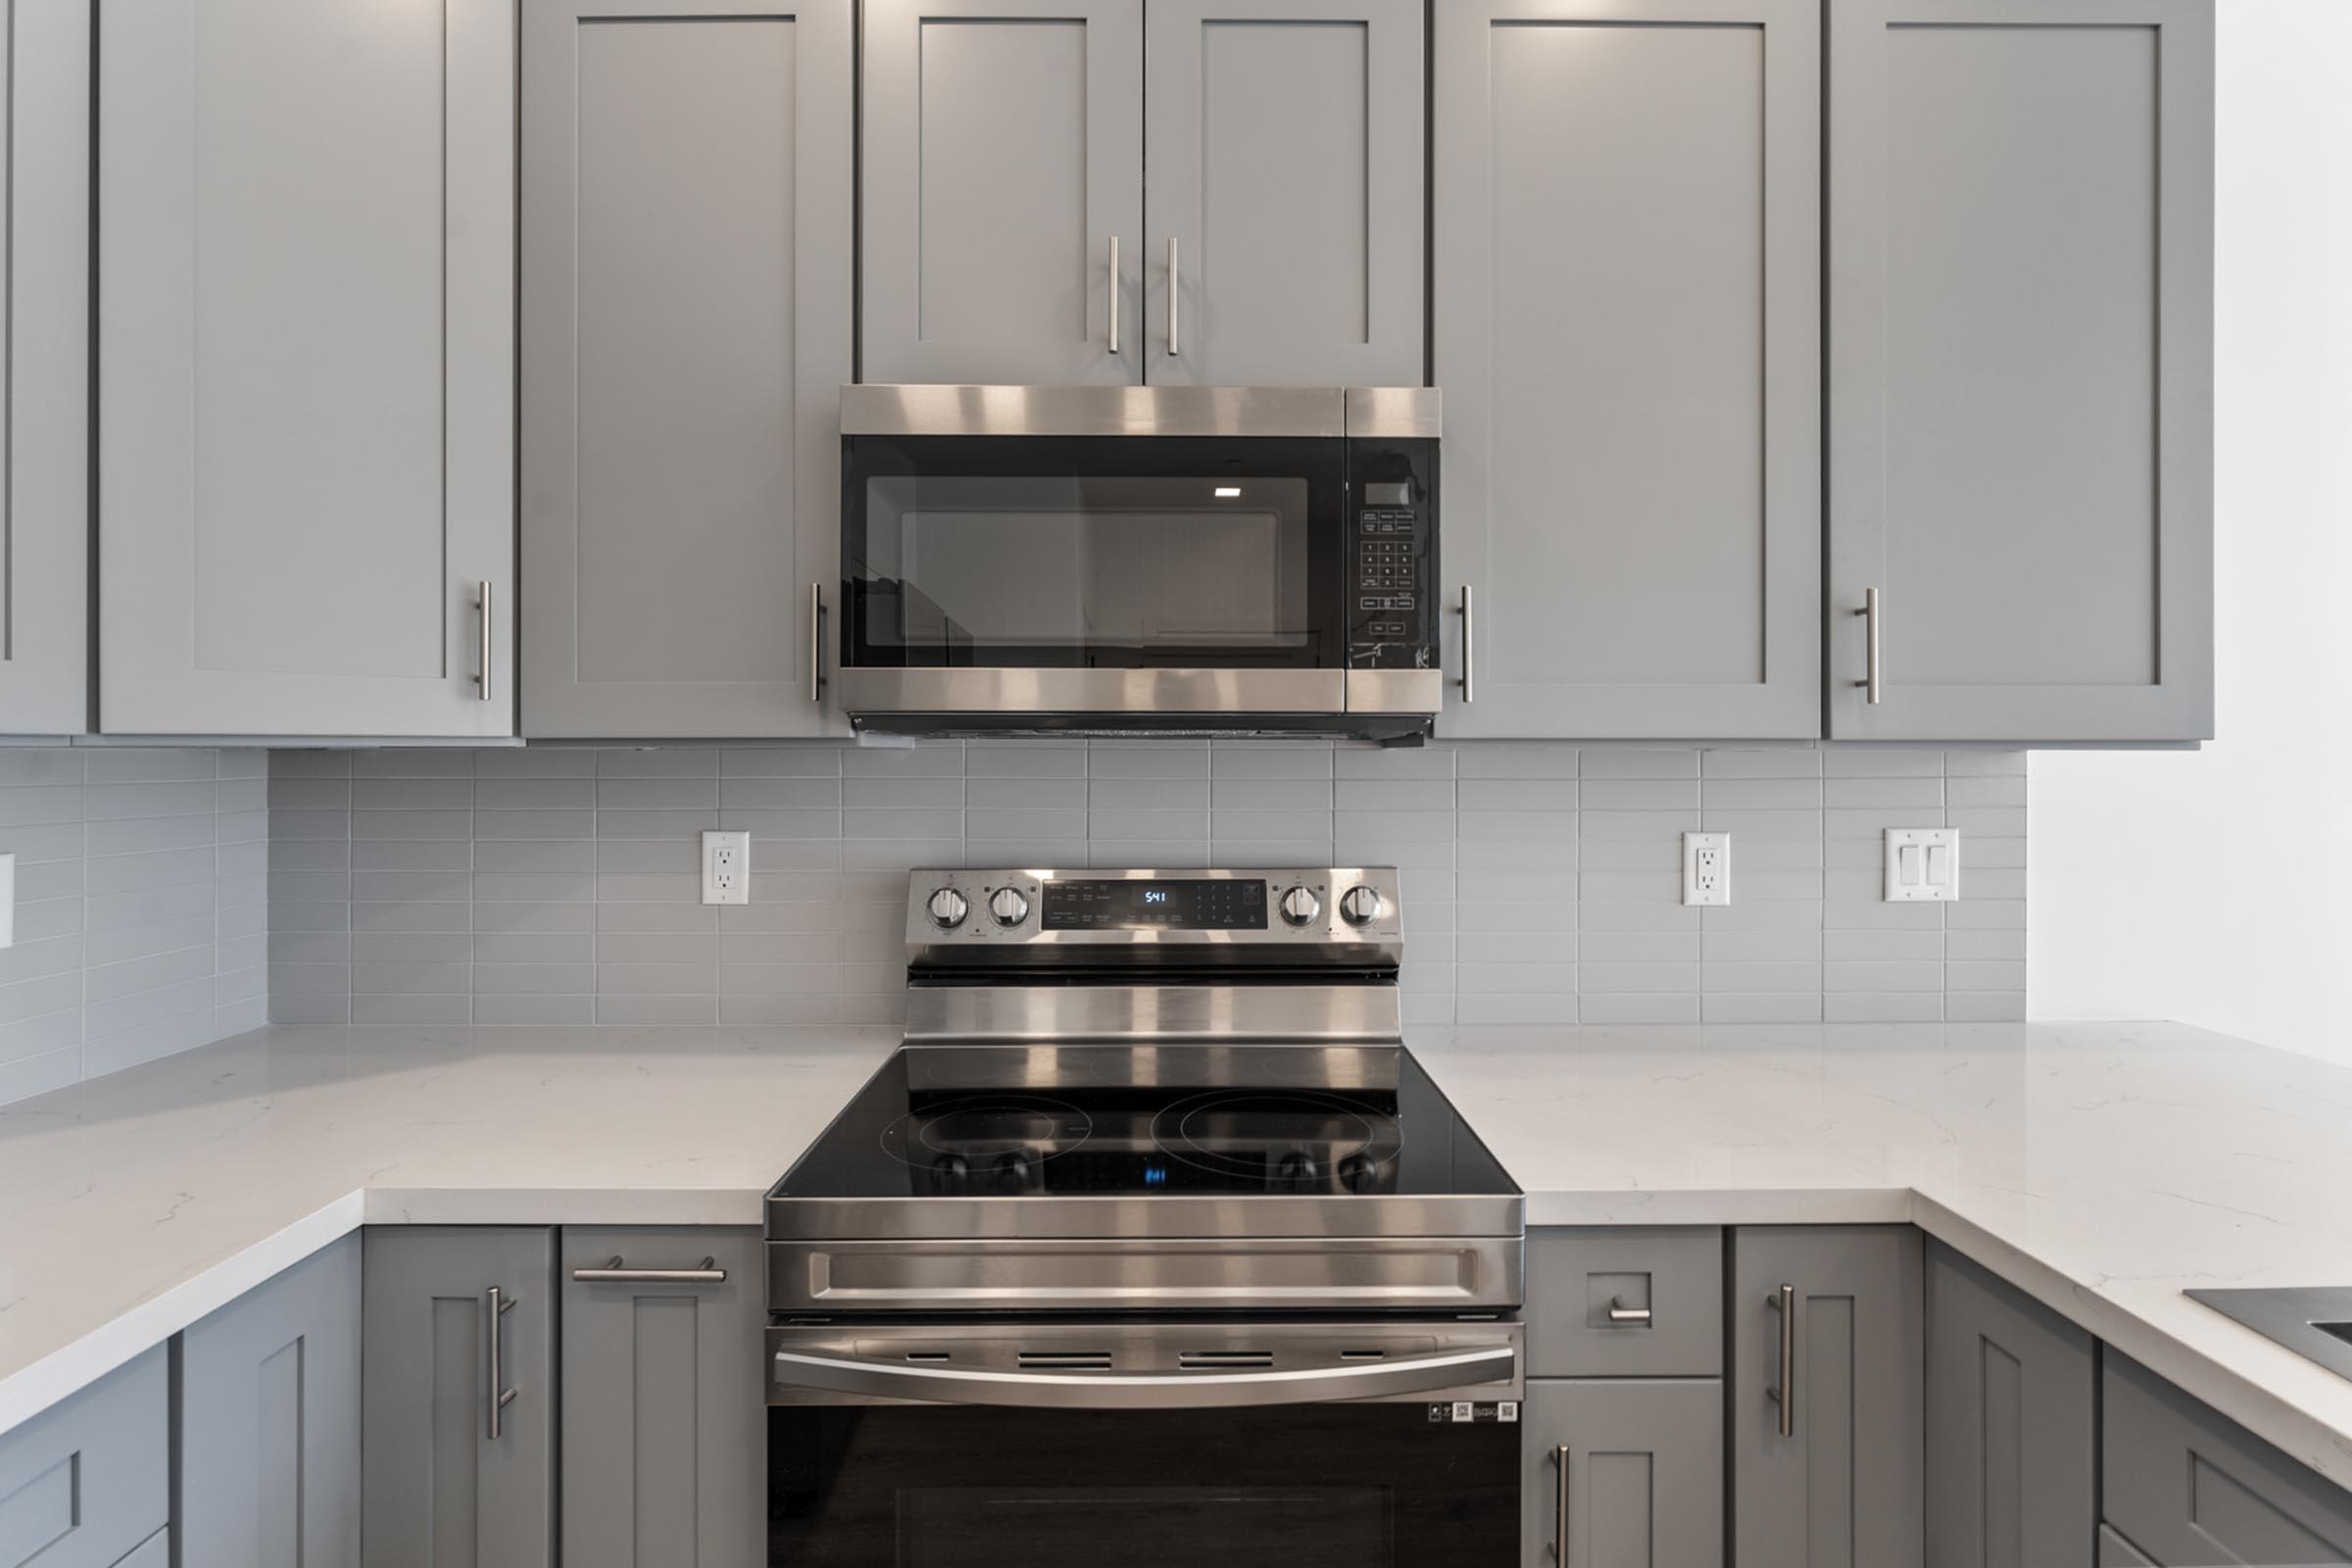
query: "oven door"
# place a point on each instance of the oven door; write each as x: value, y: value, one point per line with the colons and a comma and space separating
x: 1357, y: 1445
x: 1093, y: 573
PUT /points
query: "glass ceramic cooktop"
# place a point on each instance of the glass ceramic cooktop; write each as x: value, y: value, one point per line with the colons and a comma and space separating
x: 1280, y: 1120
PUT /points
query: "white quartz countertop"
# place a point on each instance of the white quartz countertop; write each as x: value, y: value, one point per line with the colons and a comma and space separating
x: 2101, y: 1167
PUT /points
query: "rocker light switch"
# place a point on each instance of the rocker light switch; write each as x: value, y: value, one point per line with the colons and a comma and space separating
x: 1923, y: 864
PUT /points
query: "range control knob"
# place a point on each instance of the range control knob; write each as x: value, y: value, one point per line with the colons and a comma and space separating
x: 1010, y: 905
x: 1361, y: 905
x: 1300, y: 906
x: 948, y: 908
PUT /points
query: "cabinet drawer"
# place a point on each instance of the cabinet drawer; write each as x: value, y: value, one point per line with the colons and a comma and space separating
x: 82, y: 1483
x: 2186, y: 1485
x: 1574, y: 1277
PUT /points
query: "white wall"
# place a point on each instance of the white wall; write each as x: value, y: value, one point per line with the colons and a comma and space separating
x: 2171, y: 886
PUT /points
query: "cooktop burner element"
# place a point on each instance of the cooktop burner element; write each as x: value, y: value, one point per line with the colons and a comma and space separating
x: 987, y: 1127
x: 1294, y: 1140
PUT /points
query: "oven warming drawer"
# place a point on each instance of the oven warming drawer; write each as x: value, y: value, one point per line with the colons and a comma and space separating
x: 1400, y: 1274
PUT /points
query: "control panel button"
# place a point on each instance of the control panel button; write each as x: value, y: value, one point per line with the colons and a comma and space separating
x: 948, y: 908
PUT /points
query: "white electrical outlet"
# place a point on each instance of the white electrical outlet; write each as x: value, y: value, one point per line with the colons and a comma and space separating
x: 726, y: 868
x: 1706, y: 868
x: 1923, y: 864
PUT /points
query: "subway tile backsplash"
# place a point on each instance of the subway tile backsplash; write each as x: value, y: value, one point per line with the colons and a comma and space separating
x: 140, y: 920
x: 1541, y: 882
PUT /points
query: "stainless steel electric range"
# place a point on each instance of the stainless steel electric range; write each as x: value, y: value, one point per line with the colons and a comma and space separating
x: 1153, y: 1245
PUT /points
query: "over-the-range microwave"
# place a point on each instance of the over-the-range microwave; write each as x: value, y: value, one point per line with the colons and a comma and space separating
x: 1124, y: 559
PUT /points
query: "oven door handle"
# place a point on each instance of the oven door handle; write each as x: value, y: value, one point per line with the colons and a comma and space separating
x: 1065, y: 1391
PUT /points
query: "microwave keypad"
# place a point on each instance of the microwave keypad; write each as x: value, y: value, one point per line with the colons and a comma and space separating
x: 1385, y: 587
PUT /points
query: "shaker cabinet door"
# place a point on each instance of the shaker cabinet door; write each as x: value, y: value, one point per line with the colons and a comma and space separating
x: 457, y: 1367
x: 1284, y: 209
x: 1627, y: 330
x: 1827, y: 1429
x: 1003, y: 170
x: 665, y: 1406
x: 270, y: 1422
x: 306, y: 479
x: 45, y: 462
x: 1632, y: 1468
x: 2020, y: 385
x: 686, y: 322
x: 2012, y: 1439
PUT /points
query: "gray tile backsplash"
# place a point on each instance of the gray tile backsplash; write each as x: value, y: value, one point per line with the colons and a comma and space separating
x: 141, y: 926
x: 1541, y: 883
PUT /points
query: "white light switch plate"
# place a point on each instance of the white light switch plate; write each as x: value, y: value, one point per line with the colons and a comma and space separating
x: 726, y: 866
x: 1706, y: 868
x: 1923, y: 864
x: 8, y: 900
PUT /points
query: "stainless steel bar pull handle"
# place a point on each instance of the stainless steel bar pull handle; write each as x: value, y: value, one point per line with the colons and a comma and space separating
x: 1631, y: 1317
x: 1559, y: 1515
x: 1114, y: 293
x: 707, y: 1272
x: 1072, y: 1391
x: 816, y: 643
x: 499, y: 1394
x: 1870, y: 645
x: 1469, y: 651
x: 1783, y: 1302
x: 1173, y: 350
x: 481, y: 677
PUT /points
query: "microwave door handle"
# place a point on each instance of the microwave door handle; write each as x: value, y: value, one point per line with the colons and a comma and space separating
x: 1067, y: 1391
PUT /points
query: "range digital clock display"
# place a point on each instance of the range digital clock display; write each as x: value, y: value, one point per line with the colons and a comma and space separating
x: 1223, y: 905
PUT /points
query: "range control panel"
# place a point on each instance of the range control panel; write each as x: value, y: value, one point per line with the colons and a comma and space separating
x: 1298, y: 906
x: 1392, y: 554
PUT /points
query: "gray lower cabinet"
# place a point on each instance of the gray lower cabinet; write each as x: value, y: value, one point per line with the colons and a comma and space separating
x: 1283, y: 219
x: 459, y: 1398
x: 2020, y: 394
x: 1826, y: 1423
x: 1626, y: 330
x: 687, y: 245
x: 85, y: 1484
x: 664, y: 1431
x: 268, y: 1456
x: 1002, y: 191
x: 2116, y: 1552
x: 153, y: 1552
x: 1625, y: 1301
x: 2012, y: 1440
x: 2184, y: 1486
x: 44, y: 463
x: 1630, y: 1469
x: 307, y: 480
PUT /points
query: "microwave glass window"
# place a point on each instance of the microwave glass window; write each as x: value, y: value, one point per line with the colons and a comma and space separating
x: 1127, y: 567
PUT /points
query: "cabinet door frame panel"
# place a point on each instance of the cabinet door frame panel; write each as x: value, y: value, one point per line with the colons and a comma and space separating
x: 1542, y: 703
x: 2179, y: 704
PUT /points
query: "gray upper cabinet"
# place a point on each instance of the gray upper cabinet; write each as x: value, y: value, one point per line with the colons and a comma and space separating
x: 1285, y: 200
x: 2012, y: 1439
x: 1825, y: 1430
x: 2020, y: 394
x: 2183, y: 1485
x: 459, y: 1474
x: 664, y: 1409
x: 1627, y: 304
x: 83, y: 1483
x: 306, y: 468
x: 1631, y: 1466
x: 1002, y: 172
x: 270, y: 1422
x: 686, y: 324
x: 44, y: 269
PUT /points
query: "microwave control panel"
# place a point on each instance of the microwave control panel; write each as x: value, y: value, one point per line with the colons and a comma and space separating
x: 1391, y: 555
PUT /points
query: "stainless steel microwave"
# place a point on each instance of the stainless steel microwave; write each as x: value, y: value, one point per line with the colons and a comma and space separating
x: 1121, y: 558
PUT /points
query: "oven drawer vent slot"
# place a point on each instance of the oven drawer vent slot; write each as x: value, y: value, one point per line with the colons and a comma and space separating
x: 1362, y: 1356
x: 926, y: 1355
x: 1201, y: 1360
x: 1066, y: 1360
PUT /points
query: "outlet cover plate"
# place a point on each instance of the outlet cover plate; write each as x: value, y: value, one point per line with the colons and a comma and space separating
x: 1923, y: 864
x: 1706, y: 868
x: 8, y: 900
x: 726, y: 866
